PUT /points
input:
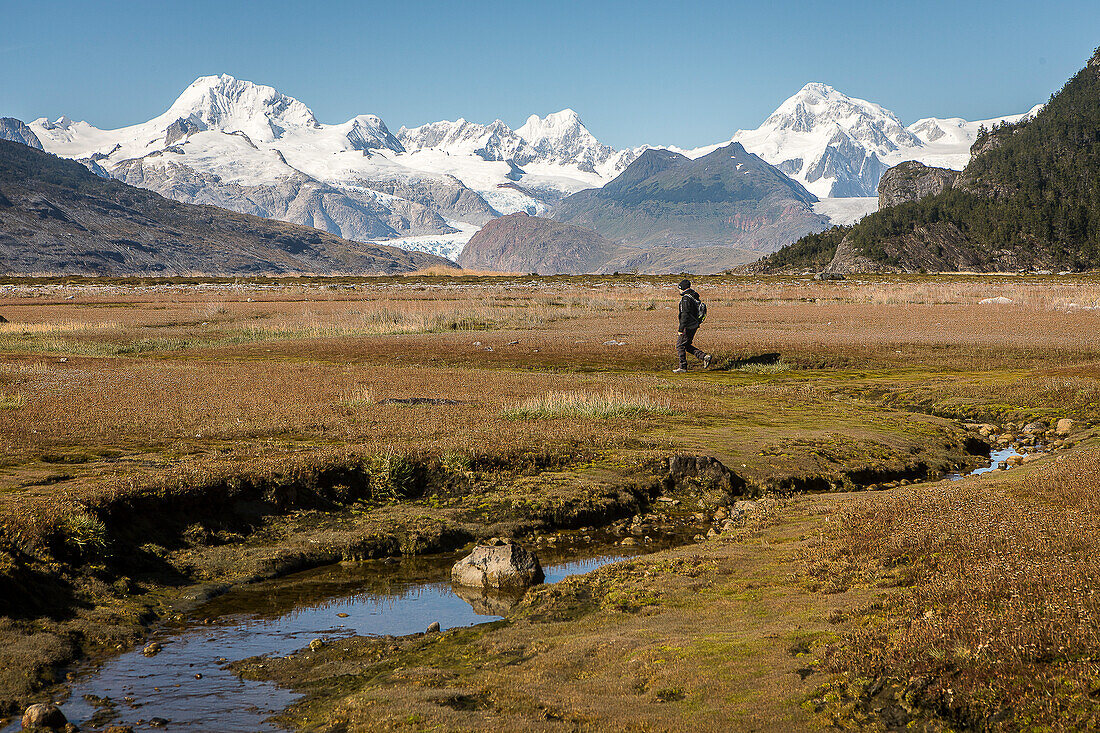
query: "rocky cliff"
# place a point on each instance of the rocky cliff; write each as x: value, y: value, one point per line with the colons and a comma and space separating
x: 912, y: 181
x: 14, y: 130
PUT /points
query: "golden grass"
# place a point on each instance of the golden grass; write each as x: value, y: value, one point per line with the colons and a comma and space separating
x: 441, y: 271
x: 45, y: 327
x: 182, y: 385
x: 607, y: 404
x: 358, y: 398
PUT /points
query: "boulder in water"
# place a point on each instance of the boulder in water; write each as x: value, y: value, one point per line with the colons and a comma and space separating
x: 44, y: 715
x: 504, y: 565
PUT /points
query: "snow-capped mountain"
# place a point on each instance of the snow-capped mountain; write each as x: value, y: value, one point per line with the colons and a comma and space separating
x: 561, y: 138
x: 14, y: 130
x: 839, y: 146
x: 250, y: 148
x: 247, y: 147
x: 946, y: 142
x: 493, y: 142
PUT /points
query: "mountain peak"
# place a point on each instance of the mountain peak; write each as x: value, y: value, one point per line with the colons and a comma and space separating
x: 840, y: 140
x: 228, y: 104
x: 562, y: 137
x: 819, y: 89
x: 555, y: 125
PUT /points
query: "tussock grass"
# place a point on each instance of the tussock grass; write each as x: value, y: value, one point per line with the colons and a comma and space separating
x: 358, y: 399
x: 771, y: 368
x: 608, y: 404
x: 45, y: 344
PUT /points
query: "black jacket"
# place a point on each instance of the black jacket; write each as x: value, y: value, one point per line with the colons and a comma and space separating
x: 689, y: 310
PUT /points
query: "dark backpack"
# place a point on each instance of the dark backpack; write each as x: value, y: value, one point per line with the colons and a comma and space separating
x: 700, y: 310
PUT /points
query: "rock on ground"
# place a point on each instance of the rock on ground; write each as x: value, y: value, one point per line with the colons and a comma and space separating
x: 503, y: 565
x: 44, y: 715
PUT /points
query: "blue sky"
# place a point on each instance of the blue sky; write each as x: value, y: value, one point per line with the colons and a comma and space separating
x: 682, y: 73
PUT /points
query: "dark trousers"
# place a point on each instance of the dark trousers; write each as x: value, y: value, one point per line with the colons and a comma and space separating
x: 685, y: 347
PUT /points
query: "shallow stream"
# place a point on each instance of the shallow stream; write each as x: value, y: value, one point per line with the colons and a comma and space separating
x: 187, y: 685
x: 997, y: 456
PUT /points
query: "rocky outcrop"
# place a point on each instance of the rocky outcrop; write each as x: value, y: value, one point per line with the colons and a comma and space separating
x: 937, y: 247
x: 14, y: 130
x: 501, y: 565
x: 849, y: 259
x: 707, y: 470
x: 523, y: 243
x: 912, y: 181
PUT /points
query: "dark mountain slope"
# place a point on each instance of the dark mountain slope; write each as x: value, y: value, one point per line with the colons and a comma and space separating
x: 522, y: 243
x: 1030, y: 198
x: 57, y: 217
x: 730, y: 202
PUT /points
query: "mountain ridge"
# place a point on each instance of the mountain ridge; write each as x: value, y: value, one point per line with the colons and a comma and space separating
x: 247, y: 147
x: 57, y: 217
x: 729, y: 201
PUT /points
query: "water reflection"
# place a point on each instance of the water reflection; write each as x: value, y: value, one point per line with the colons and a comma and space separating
x: 186, y: 683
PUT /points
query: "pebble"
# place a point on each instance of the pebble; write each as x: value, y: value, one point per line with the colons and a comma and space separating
x: 152, y: 649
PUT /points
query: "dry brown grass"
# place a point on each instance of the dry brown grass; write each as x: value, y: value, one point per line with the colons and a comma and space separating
x: 108, y: 390
x: 163, y: 372
x: 607, y: 404
x: 1000, y: 627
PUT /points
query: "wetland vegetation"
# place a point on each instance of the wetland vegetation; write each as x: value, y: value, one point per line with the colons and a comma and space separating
x: 162, y: 441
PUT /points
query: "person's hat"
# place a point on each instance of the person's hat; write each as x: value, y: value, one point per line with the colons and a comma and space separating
x: 685, y: 284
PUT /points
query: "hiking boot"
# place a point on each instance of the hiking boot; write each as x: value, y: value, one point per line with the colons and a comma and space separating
x: 679, y: 370
x: 706, y: 361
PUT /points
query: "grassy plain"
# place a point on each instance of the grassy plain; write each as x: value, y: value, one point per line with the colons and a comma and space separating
x: 158, y: 434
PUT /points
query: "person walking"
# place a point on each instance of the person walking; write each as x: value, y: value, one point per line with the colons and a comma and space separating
x: 692, y: 313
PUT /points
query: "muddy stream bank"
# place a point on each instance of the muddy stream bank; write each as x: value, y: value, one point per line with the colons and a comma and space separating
x: 186, y: 683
